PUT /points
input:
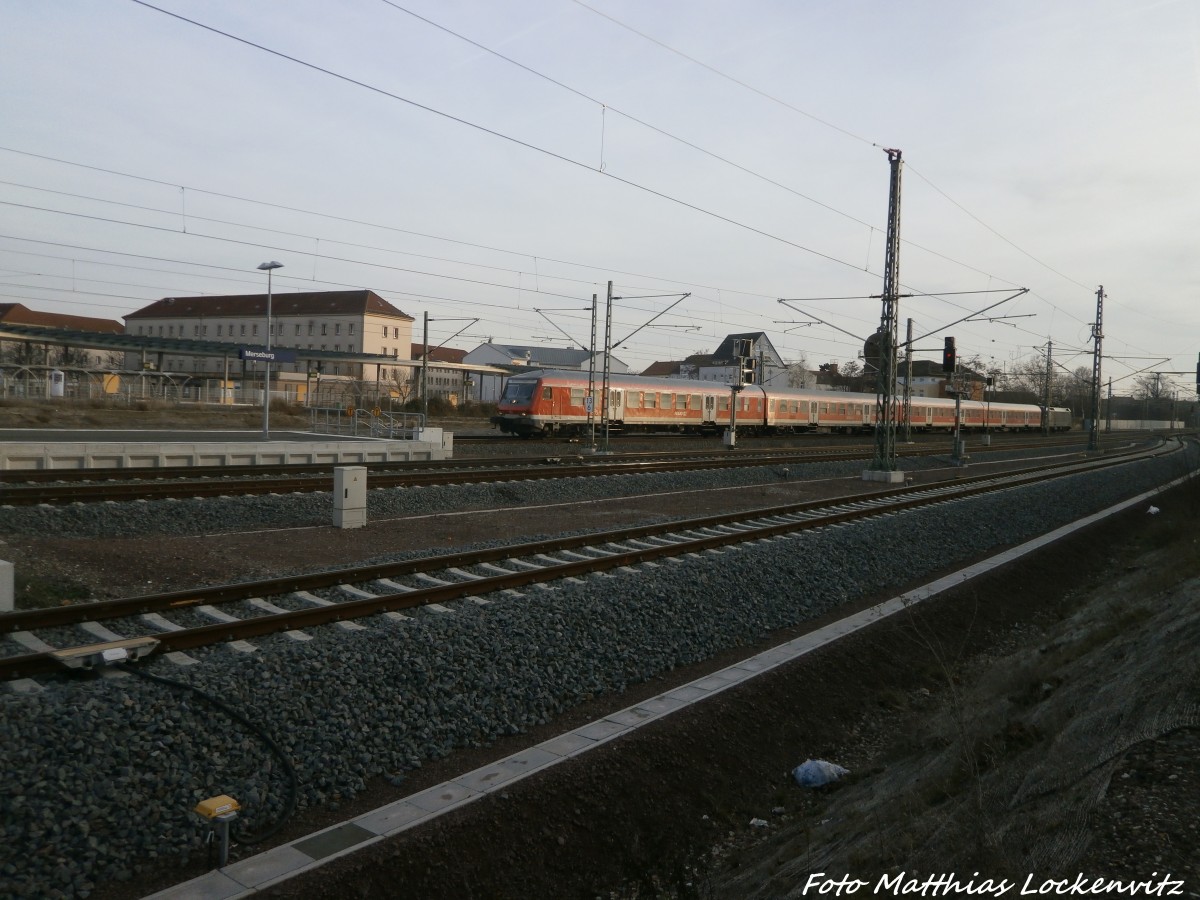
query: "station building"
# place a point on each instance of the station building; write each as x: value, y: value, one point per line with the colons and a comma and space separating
x: 352, y: 322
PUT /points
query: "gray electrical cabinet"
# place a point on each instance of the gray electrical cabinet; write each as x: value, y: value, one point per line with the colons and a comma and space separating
x: 349, y: 496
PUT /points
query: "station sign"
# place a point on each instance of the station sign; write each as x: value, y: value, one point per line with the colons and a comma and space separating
x: 287, y: 356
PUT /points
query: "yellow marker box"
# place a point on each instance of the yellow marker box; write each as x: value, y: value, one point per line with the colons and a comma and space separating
x: 217, y: 806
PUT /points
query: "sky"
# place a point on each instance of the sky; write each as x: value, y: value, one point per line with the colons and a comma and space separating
x: 490, y: 159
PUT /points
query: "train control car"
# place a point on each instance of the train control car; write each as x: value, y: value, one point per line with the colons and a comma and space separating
x: 544, y: 402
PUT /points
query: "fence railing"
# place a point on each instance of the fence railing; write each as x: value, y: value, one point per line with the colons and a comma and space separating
x: 358, y: 422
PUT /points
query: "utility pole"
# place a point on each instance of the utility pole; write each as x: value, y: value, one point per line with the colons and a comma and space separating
x: 425, y: 374
x: 1046, y: 392
x: 1108, y: 412
x: 1098, y: 337
x: 607, y: 355
x: 883, y: 467
x: 591, y: 407
x: 908, y: 384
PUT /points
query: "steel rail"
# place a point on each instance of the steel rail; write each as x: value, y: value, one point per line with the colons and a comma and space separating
x: 477, y: 471
x: 864, y: 506
x: 109, y: 609
x: 19, y: 477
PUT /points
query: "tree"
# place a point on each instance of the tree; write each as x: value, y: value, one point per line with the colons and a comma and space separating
x: 1152, y: 386
x: 798, y: 374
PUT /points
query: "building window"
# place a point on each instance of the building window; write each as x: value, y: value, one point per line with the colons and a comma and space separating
x: 351, y: 328
x: 324, y: 329
x: 219, y: 327
x: 139, y: 331
x: 254, y: 329
x: 297, y: 329
x: 337, y: 328
x: 337, y: 348
x: 310, y: 329
x: 204, y: 330
x: 243, y: 328
x: 160, y: 331
x: 349, y: 348
x: 195, y: 331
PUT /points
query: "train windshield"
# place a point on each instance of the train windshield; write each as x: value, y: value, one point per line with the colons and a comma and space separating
x: 518, y: 392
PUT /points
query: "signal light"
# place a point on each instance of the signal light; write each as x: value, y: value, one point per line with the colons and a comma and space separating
x: 948, y: 356
x: 749, y: 367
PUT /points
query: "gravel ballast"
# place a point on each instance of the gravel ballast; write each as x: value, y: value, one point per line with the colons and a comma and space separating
x: 101, y: 774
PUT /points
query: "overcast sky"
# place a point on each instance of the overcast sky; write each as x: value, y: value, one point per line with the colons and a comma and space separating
x: 731, y: 149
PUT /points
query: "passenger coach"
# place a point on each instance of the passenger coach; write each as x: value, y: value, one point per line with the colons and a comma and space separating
x: 547, y: 402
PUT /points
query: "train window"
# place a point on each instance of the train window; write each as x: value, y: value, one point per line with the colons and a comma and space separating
x: 824, y: 407
x: 771, y: 405
x: 841, y: 409
x: 547, y: 392
x: 633, y: 400
x: 514, y: 391
x: 694, y: 401
x: 577, y: 396
x: 666, y: 401
x: 722, y: 404
x: 651, y: 400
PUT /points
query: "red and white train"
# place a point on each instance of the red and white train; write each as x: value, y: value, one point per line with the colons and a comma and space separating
x: 543, y: 402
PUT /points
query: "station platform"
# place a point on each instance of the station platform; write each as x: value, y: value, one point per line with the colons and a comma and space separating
x: 46, y: 448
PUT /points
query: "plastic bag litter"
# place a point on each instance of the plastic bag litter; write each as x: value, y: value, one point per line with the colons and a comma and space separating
x: 817, y: 772
x: 1153, y: 510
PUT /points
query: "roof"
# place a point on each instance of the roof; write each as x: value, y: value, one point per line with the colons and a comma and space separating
x: 19, y: 314
x: 313, y: 303
x: 724, y: 354
x: 544, y: 356
x: 661, y: 369
x: 438, y: 354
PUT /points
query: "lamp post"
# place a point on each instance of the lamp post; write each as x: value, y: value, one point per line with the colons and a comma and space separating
x: 268, y: 267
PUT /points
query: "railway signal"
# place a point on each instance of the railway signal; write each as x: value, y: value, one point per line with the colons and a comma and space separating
x: 949, y: 356
x: 749, y: 368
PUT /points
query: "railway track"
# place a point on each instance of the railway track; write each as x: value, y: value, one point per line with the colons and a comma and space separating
x: 35, y: 641
x: 58, y: 487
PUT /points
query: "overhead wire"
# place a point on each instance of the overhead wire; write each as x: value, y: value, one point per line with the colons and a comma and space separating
x: 543, y: 150
x: 499, y: 134
x: 282, y: 279
x: 771, y: 97
x: 606, y: 106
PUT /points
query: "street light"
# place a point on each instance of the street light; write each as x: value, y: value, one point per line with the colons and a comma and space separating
x: 268, y: 267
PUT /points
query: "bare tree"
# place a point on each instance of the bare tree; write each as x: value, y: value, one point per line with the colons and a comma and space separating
x: 1152, y: 386
x: 798, y: 374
